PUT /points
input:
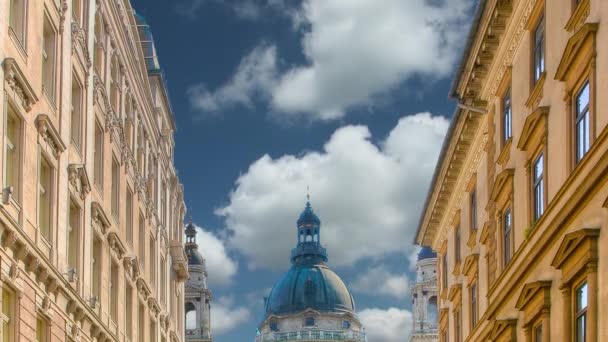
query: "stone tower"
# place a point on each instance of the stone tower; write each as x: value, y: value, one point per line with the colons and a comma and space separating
x: 424, y: 298
x: 198, y: 296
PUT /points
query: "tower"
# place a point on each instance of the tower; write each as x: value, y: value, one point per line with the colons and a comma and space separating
x: 198, y: 296
x: 424, y: 297
x: 310, y: 302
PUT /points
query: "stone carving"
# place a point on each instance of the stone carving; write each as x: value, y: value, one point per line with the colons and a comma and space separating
x: 16, y: 81
x: 79, y: 180
x: 49, y: 134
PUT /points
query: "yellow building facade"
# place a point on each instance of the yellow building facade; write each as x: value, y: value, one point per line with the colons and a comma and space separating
x: 91, y: 214
x: 517, y: 210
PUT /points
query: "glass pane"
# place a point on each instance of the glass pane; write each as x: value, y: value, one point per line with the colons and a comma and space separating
x: 582, y: 99
x: 538, y: 333
x: 581, y: 329
x: 581, y: 297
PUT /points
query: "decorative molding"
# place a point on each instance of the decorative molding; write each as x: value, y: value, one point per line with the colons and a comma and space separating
x: 574, y: 48
x: 503, y: 178
x: 79, y: 180
x: 49, y: 134
x: 577, y: 249
x: 116, y: 245
x: 79, y: 40
x: 579, y: 17
x: 16, y: 81
x: 536, y: 123
x: 504, y: 330
x: 100, y: 218
x: 537, y: 92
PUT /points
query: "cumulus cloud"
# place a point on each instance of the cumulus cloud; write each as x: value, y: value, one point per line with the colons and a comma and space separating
x: 220, y: 266
x: 357, y: 50
x: 225, y: 316
x: 256, y: 72
x: 367, y: 195
x: 392, y: 325
x: 380, y: 281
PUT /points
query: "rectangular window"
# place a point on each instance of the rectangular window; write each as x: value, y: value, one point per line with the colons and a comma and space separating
x: 539, y: 49
x: 98, y: 157
x: 152, y: 331
x: 96, y: 268
x: 507, y: 223
x: 457, y: 244
x: 581, y: 313
x: 473, y: 305
x: 13, y: 152
x: 444, y: 270
x: 128, y: 310
x: 115, y: 187
x: 582, y: 122
x: 457, y: 326
x: 73, y: 238
x: 77, y: 12
x: 539, y: 187
x: 8, y: 316
x: 142, y: 241
x: 152, y: 262
x: 141, y: 324
x: 129, y: 216
x: 45, y: 177
x: 41, y: 330
x: 76, y: 113
x: 506, y: 117
x: 474, y: 210
x: 113, y: 291
x: 49, y: 43
x: 538, y: 333
x: 18, y: 18
x: 163, y: 281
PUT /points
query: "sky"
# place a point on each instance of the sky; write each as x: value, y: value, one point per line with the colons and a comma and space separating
x: 348, y: 98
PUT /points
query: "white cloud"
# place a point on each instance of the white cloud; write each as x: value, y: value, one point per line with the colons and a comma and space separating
x: 392, y: 325
x: 256, y: 71
x: 220, y: 266
x: 225, y: 316
x: 413, y: 258
x: 368, y: 196
x: 379, y: 281
x: 356, y: 50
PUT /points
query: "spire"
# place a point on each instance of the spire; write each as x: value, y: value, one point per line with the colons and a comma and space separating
x: 309, y: 247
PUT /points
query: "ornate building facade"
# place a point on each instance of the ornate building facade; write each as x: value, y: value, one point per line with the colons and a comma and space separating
x: 198, y: 296
x: 91, y: 216
x: 310, y: 303
x: 517, y: 209
x: 424, y: 298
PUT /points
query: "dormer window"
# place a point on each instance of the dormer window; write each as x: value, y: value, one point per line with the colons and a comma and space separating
x: 274, y: 326
x: 309, y: 322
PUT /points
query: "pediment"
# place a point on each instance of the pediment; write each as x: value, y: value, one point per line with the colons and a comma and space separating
x: 455, y: 292
x: 503, y: 329
x: 49, y: 134
x: 584, y: 240
x: 574, y: 48
x: 17, y: 82
x: 469, y: 263
x: 535, y: 122
x: 502, y: 180
x: 100, y: 217
x: 531, y: 291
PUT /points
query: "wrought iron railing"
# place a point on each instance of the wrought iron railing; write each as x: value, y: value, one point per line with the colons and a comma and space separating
x: 313, y: 335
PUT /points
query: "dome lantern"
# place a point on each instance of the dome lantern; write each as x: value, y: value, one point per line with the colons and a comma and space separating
x: 309, y: 248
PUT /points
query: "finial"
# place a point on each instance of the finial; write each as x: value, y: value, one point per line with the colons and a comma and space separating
x: 307, y: 193
x: 190, y: 218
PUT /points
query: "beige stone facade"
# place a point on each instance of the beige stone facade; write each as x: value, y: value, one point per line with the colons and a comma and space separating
x: 517, y: 209
x: 91, y: 213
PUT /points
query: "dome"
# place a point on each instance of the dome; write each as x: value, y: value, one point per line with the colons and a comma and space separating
x: 308, y: 217
x: 312, y: 286
x: 195, y: 258
x: 426, y: 253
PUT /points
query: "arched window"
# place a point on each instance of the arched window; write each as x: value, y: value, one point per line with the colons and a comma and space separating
x: 309, y: 321
x: 190, y: 316
x: 274, y: 326
x: 432, y: 310
x: 345, y: 325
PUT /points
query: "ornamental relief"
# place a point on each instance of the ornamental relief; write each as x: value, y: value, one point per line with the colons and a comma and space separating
x: 79, y: 180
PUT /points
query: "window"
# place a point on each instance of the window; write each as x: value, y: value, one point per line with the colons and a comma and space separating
x: 73, y: 238
x: 76, y: 112
x: 457, y: 244
x: 115, y: 187
x: 41, y: 330
x: 309, y: 321
x: 473, y: 305
x: 12, y: 165
x: 8, y: 315
x: 539, y: 49
x: 115, y: 84
x: 45, y: 176
x: 128, y: 310
x: 18, y: 19
x: 77, y: 12
x: 49, y: 42
x: 345, y: 324
x: 539, y: 187
x: 274, y: 326
x: 96, y: 268
x: 163, y: 280
x: 152, y: 331
x: 506, y: 117
x: 581, y: 313
x: 473, y: 209
x: 507, y: 223
x: 582, y: 122
x: 98, y: 157
x: 538, y: 333
x: 444, y: 271
x: 141, y: 323
x: 113, y: 292
x: 152, y: 261
x: 457, y: 326
x: 129, y: 217
x: 99, y: 41
x: 142, y: 241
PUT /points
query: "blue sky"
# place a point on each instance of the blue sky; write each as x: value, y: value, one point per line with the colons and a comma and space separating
x: 348, y: 97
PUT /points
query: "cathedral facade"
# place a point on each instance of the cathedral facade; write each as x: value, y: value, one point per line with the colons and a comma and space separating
x: 310, y: 302
x: 198, y: 296
x: 424, y: 298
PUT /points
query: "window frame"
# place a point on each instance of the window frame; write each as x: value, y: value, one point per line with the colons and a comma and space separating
x: 12, y: 111
x: 539, y: 201
x: 78, y: 141
x: 580, y: 313
x: 506, y: 120
x: 49, y: 194
x: 49, y: 60
x: 583, y: 114
x: 12, y: 307
x: 539, y: 45
x: 506, y: 259
x: 21, y: 35
x: 98, y: 156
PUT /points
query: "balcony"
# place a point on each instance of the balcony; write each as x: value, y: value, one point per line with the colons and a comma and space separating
x: 314, y: 335
x: 180, y: 262
x: 197, y: 335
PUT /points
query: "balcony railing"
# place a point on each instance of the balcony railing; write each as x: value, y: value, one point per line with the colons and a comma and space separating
x: 313, y: 335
